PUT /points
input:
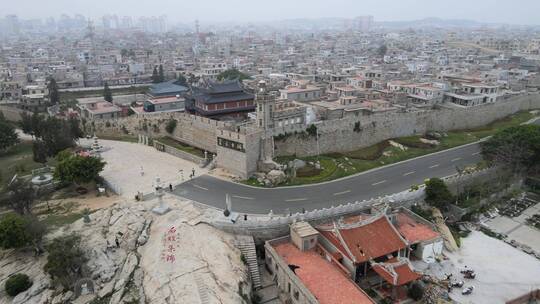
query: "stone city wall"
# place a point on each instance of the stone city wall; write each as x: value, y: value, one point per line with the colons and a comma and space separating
x: 194, y: 130
x: 340, y: 135
x: 273, y: 226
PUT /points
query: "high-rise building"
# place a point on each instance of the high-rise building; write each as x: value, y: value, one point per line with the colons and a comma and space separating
x: 365, y: 23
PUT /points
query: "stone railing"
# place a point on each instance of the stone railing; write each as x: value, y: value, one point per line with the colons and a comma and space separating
x: 272, y: 226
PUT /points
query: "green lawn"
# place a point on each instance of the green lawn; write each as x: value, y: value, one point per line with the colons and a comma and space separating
x: 126, y: 138
x: 337, y: 165
x: 18, y: 160
x: 181, y: 146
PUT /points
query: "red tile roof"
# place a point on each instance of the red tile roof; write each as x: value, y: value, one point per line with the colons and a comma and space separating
x: 414, y: 231
x: 396, y: 272
x: 323, y: 279
x: 369, y: 241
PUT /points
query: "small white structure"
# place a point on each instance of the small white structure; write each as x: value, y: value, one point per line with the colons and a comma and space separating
x: 162, y: 208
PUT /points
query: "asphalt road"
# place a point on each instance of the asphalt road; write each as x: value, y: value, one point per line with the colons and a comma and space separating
x: 382, y: 181
x: 378, y: 182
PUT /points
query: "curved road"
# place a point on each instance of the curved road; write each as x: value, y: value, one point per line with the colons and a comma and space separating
x: 377, y: 182
x: 382, y: 181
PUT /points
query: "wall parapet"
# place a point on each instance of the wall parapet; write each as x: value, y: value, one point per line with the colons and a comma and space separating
x: 272, y: 226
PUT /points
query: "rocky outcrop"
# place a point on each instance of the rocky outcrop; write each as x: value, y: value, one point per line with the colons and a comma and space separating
x: 133, y: 257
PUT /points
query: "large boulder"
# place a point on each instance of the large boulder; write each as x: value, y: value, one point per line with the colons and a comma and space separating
x: 276, y: 177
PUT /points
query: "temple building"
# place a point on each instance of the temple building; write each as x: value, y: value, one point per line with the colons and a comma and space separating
x: 222, y: 100
x: 369, y: 250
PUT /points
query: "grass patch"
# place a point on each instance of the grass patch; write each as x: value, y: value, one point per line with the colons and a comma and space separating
x: 19, y: 160
x: 252, y: 182
x: 337, y: 165
x: 57, y: 220
x: 126, y: 138
x: 370, y: 153
x: 413, y: 142
x: 181, y: 146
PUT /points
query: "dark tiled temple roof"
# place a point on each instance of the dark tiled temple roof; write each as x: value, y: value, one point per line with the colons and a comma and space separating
x: 219, y: 92
x: 167, y: 88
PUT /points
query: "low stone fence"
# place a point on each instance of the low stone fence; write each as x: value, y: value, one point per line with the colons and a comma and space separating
x: 270, y: 226
x: 178, y: 153
x: 273, y: 226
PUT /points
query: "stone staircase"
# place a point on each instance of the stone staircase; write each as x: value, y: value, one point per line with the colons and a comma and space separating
x: 247, y: 247
x: 201, y: 288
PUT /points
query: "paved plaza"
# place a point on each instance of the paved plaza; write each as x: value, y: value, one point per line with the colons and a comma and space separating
x: 133, y: 167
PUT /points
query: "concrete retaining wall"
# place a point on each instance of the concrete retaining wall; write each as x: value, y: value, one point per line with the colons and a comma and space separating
x: 179, y: 153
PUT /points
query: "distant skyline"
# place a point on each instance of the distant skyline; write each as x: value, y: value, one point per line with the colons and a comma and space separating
x: 523, y: 12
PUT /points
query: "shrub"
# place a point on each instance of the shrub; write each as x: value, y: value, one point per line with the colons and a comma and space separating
x: 13, y: 231
x: 312, y: 130
x: 17, y: 284
x: 65, y: 260
x: 357, y: 127
x: 416, y: 291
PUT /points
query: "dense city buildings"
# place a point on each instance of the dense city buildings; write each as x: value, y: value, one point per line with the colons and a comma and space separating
x: 300, y: 161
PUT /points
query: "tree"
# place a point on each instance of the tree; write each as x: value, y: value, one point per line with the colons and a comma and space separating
x: 36, y: 124
x: 155, y: 76
x: 107, y: 95
x: 13, y: 231
x: 437, y: 193
x: 517, y: 148
x: 8, y: 136
x: 182, y: 80
x: 54, y: 95
x: 19, y: 196
x: 79, y: 169
x: 161, y: 74
x: 26, y: 123
x: 55, y: 134
x: 381, y: 51
x: 65, y: 260
x: 232, y: 74
x: 171, y: 126
x: 39, y: 151
x: 17, y: 283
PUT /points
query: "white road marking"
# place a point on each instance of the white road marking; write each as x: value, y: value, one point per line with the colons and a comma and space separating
x: 378, y: 183
x: 409, y: 173
x: 456, y: 159
x: 200, y: 187
x: 243, y: 197
x: 343, y: 192
x: 296, y: 199
x: 477, y: 153
x: 434, y: 166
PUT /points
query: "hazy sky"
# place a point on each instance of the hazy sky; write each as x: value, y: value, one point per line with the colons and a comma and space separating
x: 504, y: 11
